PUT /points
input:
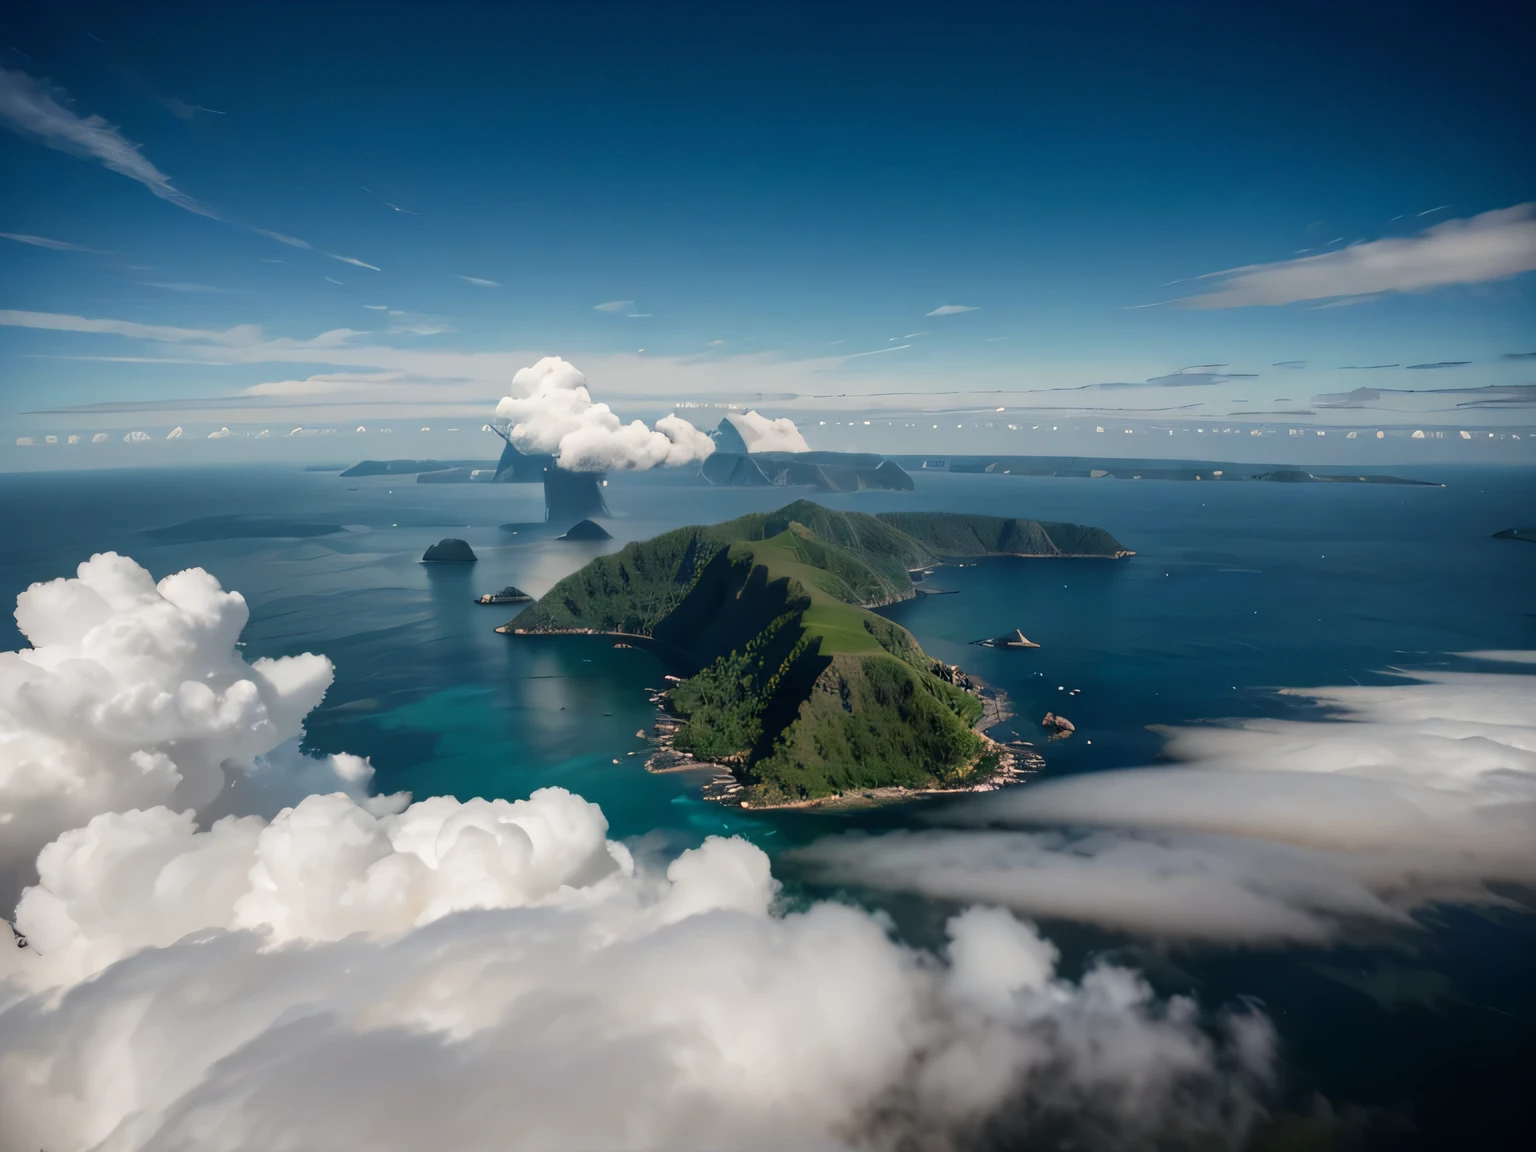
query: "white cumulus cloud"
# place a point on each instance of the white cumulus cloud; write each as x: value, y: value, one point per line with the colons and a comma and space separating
x: 760, y: 434
x: 494, y: 975
x: 133, y: 695
x: 556, y: 416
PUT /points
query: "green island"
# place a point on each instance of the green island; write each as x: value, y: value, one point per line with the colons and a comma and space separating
x: 800, y: 693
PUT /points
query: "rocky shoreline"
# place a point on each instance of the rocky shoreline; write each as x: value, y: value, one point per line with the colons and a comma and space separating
x: 1017, y: 760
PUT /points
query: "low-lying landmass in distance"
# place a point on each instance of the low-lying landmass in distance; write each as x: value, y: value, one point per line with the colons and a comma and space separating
x: 1112, y: 468
x: 239, y: 527
x: 798, y: 690
x: 1516, y: 534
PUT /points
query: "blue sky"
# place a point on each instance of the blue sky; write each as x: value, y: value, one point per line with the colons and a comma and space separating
x: 762, y: 193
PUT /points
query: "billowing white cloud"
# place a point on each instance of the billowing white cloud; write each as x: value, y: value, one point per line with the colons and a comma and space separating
x: 321, y: 870
x: 760, y: 434
x: 494, y: 975
x: 132, y: 695
x: 556, y: 417
x: 1420, y: 792
x: 1489, y: 246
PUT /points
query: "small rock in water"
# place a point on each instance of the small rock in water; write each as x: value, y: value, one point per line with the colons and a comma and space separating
x: 450, y: 550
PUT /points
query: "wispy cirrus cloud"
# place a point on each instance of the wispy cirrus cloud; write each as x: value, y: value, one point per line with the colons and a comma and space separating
x: 184, y: 286
x: 46, y: 242
x: 614, y: 307
x: 951, y: 310
x: 355, y: 262
x: 31, y: 108
x: 1490, y: 246
x: 480, y: 281
x: 37, y: 110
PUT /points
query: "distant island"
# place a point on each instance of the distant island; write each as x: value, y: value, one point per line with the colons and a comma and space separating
x: 239, y: 527
x: 1116, y: 468
x: 409, y: 467
x: 800, y: 692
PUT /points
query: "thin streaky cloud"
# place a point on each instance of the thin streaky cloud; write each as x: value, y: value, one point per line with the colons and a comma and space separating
x: 388, y: 204
x: 244, y: 334
x: 185, y: 111
x: 355, y: 262
x: 951, y: 310
x: 1432, y: 211
x: 614, y: 306
x: 184, y: 286
x: 47, y: 242
x: 29, y: 108
x: 332, y: 279
x: 480, y: 281
x: 1491, y: 246
x: 876, y: 352
x: 377, y: 307
x: 281, y: 237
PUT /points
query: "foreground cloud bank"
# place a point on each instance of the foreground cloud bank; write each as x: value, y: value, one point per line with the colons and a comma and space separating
x: 557, y: 417
x: 357, y: 972
x: 133, y: 694
x: 1274, y: 830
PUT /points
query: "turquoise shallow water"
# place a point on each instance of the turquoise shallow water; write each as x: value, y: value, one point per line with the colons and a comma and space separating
x: 1236, y: 590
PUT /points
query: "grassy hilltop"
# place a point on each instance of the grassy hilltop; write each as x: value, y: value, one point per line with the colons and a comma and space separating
x: 800, y: 687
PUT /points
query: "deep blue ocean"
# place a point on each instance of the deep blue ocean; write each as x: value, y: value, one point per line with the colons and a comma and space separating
x: 1237, y: 589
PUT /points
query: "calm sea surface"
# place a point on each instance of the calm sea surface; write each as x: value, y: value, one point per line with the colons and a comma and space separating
x: 1236, y: 589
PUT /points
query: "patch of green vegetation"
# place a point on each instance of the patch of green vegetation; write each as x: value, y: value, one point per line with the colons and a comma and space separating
x: 957, y: 534
x: 799, y: 686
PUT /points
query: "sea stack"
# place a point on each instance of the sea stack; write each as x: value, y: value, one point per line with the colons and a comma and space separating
x: 1060, y: 725
x: 450, y: 551
x: 587, y: 530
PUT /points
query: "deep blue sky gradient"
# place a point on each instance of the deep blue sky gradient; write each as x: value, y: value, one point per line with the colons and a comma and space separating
x: 777, y: 176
